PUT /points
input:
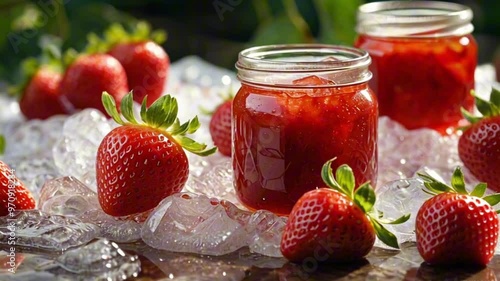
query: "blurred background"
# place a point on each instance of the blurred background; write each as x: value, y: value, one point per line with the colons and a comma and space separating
x: 215, y: 30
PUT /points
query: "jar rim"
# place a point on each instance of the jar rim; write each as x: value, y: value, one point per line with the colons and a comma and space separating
x: 283, y: 65
x: 274, y: 58
x: 414, y: 18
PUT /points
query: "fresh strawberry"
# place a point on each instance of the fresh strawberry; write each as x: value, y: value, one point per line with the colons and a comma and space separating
x: 335, y: 224
x: 140, y: 163
x: 41, y: 98
x: 14, y: 196
x: 88, y: 76
x: 39, y: 87
x: 479, y: 146
x: 145, y: 61
x: 455, y: 226
x: 220, y: 127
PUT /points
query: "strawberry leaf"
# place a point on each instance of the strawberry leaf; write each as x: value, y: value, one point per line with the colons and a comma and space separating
x: 458, y: 181
x: 479, y: 190
x: 471, y: 118
x: 495, y: 97
x: 127, y: 105
x: 384, y: 235
x: 399, y: 220
x: 2, y: 144
x: 194, y: 125
x: 364, y: 197
x: 345, y: 178
x: 178, y: 129
x: 195, y: 147
x: 171, y: 108
x: 144, y: 108
x: 492, y: 199
x: 117, y: 34
x: 329, y: 179
x: 433, y: 185
x: 110, y: 106
x: 484, y: 107
x: 162, y: 114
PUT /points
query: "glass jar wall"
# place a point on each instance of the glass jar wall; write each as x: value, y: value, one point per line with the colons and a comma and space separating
x: 299, y: 106
x: 423, y: 60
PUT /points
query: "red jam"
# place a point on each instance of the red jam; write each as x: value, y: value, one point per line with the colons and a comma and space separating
x: 422, y: 82
x: 423, y: 60
x: 284, y: 135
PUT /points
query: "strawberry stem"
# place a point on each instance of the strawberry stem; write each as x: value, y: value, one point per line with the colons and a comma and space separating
x: 363, y: 197
x: 162, y: 115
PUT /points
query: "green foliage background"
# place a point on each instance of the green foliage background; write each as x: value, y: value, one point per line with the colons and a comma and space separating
x: 26, y: 23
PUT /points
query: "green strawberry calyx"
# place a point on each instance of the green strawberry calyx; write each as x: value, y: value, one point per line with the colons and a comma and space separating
x: 116, y: 34
x: 489, y: 108
x: 363, y: 197
x: 162, y: 115
x: 50, y: 58
x: 434, y: 187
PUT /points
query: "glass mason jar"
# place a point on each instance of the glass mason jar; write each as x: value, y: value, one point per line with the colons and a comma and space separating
x: 298, y: 107
x: 423, y: 60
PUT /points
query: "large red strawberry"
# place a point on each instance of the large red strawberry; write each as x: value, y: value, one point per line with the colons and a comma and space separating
x: 220, y: 127
x: 479, y: 146
x: 144, y: 60
x: 14, y: 196
x: 335, y: 224
x: 88, y: 76
x: 455, y: 226
x: 140, y: 163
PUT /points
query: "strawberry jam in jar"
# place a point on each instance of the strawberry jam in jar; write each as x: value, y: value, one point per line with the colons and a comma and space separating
x: 298, y: 107
x: 423, y: 60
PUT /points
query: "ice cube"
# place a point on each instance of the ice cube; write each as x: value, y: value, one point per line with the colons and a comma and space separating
x: 64, y: 186
x: 70, y: 197
x: 312, y: 80
x: 265, y: 230
x: 400, y: 197
x: 121, y: 230
x: 193, y: 223
x: 75, y: 151
x: 213, y: 178
x: 103, y: 259
x: 36, y: 229
x: 35, y: 172
x: 67, y: 196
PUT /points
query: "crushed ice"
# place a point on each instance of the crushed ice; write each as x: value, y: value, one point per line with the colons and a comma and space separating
x: 195, y: 223
x: 37, y: 229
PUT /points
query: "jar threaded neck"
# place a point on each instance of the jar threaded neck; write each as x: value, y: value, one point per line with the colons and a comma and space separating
x: 415, y: 19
